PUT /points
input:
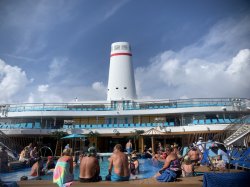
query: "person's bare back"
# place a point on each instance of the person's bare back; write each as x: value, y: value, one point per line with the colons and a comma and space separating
x: 89, y: 167
x: 120, y: 163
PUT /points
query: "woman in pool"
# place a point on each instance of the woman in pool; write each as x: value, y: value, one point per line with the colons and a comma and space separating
x: 37, y: 167
x: 63, y: 172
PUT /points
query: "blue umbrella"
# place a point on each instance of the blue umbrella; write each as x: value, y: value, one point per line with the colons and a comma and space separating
x: 74, y: 136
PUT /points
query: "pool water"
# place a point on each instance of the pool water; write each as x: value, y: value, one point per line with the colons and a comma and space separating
x: 148, y: 168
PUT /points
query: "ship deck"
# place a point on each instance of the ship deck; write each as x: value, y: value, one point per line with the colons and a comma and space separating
x: 196, y: 181
x: 191, y: 181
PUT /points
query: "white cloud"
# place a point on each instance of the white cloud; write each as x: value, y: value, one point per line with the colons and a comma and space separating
x: 12, y: 80
x: 56, y: 67
x: 98, y: 86
x: 216, y: 66
x: 60, y: 93
x: 48, y: 97
x: 112, y: 10
x: 43, y: 88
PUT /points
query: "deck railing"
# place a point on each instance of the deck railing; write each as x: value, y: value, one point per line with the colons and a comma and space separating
x: 125, y: 105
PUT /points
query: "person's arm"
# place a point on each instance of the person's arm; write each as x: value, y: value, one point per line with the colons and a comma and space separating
x: 31, y: 154
x: 110, y: 165
x: 149, y: 153
x: 166, y: 164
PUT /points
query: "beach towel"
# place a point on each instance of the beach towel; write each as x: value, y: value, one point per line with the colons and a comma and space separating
x: 61, y: 174
x: 239, y: 179
x: 167, y: 176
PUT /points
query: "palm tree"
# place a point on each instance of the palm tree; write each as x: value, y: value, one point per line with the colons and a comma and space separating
x: 135, y: 135
x: 93, y: 135
x: 58, y: 135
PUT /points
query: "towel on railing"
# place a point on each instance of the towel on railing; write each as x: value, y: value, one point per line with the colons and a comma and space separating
x: 240, y: 179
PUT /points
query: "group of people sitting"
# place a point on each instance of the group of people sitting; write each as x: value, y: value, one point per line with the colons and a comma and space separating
x: 174, y: 163
x: 200, y: 153
x: 29, y: 155
x: 38, y: 168
x: 120, y: 167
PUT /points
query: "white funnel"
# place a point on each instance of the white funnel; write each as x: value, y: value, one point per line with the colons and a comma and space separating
x: 121, y: 83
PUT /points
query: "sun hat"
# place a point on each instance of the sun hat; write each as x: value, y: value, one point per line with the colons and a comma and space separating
x: 200, y: 138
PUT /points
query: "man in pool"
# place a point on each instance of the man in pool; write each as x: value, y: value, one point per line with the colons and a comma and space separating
x: 89, y: 167
x: 120, y: 162
x: 129, y: 146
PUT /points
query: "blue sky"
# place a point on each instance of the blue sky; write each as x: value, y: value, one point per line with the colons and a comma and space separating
x: 53, y: 51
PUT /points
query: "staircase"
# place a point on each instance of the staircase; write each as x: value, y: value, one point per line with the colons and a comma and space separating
x: 243, y: 130
x: 12, y: 147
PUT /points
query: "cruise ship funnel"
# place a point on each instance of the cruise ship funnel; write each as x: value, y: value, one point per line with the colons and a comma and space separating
x: 121, y: 82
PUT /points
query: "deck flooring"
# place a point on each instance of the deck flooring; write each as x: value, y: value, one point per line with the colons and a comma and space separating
x: 189, y: 181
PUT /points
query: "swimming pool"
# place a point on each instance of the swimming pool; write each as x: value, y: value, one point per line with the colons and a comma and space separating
x: 148, y: 168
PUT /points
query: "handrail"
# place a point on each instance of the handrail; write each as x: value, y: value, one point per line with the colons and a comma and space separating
x: 9, y: 143
x: 127, y: 105
x: 45, y: 147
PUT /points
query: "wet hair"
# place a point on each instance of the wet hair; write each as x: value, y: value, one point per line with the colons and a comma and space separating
x: 118, y: 147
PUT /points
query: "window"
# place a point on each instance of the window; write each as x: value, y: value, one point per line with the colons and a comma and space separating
x: 117, y: 47
x: 125, y: 88
x: 124, y: 47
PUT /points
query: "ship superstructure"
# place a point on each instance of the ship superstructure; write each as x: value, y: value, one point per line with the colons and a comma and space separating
x: 122, y: 114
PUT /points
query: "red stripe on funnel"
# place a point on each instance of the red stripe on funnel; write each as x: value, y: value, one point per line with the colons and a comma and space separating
x: 119, y: 54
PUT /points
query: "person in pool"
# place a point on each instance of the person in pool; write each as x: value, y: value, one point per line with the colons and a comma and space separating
x: 134, y: 164
x: 89, y: 167
x: 37, y: 168
x: 50, y: 165
x: 129, y: 146
x: 119, y: 161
